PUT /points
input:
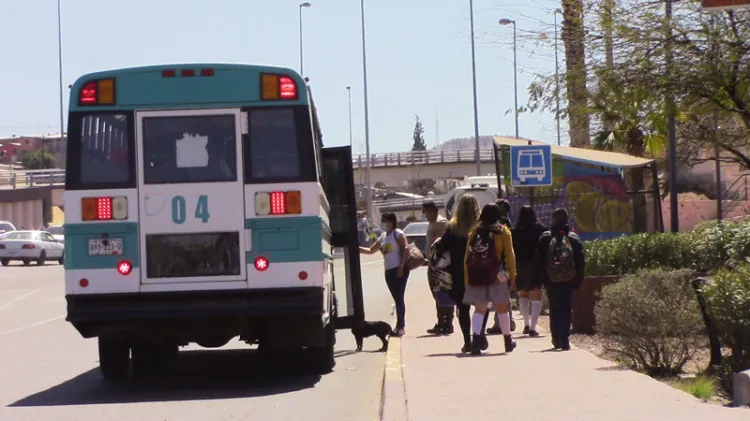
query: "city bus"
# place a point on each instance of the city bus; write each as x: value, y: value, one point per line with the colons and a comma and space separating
x: 201, y: 206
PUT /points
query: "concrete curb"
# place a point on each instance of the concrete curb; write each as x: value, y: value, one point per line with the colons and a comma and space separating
x: 393, y: 399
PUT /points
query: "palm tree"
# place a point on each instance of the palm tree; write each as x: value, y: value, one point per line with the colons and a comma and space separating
x: 638, y: 121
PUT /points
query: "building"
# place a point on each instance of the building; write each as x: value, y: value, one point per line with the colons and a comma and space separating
x: 12, y: 147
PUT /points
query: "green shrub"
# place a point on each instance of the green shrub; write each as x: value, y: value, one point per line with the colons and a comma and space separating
x: 728, y: 305
x: 653, y: 320
x: 629, y: 254
x: 701, y: 387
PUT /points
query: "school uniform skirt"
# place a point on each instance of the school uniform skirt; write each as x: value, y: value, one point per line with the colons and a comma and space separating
x: 496, y: 293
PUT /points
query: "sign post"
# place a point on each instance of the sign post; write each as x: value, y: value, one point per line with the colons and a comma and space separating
x: 530, y: 166
x: 715, y: 5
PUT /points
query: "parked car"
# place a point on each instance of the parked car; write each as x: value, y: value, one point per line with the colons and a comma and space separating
x: 6, y: 226
x: 57, y: 232
x: 26, y: 246
x: 416, y: 232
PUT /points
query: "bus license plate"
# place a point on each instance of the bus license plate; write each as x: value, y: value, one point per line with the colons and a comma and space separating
x: 113, y: 247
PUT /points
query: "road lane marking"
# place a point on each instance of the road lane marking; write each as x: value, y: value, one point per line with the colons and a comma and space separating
x: 17, y: 299
x: 32, y: 325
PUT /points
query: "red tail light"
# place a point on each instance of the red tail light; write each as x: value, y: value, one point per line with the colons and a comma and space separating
x: 188, y: 73
x: 261, y: 264
x: 88, y: 93
x: 124, y: 267
x: 28, y: 246
x: 104, y: 208
x: 287, y: 88
x: 168, y: 73
x: 207, y: 72
x: 278, y: 203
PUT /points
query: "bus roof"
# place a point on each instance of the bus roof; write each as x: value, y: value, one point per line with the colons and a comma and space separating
x: 225, y: 85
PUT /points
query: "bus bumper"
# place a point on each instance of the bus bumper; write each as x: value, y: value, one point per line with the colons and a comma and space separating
x: 190, y: 315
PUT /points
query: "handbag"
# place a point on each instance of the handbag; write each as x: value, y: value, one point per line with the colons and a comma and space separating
x: 415, y: 258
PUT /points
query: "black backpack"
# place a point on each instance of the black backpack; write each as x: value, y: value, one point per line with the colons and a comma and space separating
x: 561, y: 265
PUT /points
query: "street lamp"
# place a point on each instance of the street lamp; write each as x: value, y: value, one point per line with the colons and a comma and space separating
x: 301, y: 57
x: 367, y: 117
x: 515, y: 68
x: 474, y: 87
x: 349, y: 91
x: 59, y: 65
x: 557, y: 80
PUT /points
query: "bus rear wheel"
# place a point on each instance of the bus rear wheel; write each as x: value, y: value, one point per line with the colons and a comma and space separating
x: 322, y: 359
x: 114, y: 358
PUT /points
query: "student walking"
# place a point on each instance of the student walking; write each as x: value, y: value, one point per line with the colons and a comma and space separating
x: 526, y: 234
x: 455, y: 240
x: 560, y: 255
x: 436, y: 226
x: 487, y: 281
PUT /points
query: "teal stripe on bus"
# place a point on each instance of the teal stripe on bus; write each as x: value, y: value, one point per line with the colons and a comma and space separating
x: 290, y: 239
x: 77, y: 244
x: 144, y: 88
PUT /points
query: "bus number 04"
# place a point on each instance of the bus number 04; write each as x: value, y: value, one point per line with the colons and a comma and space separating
x: 179, y: 207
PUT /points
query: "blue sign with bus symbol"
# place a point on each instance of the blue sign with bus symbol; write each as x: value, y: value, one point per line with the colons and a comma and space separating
x: 530, y: 165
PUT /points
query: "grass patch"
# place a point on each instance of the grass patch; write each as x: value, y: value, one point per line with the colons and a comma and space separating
x: 702, y: 388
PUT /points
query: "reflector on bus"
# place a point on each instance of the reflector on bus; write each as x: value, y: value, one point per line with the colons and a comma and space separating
x: 278, y: 203
x: 98, y: 92
x: 104, y: 208
x: 277, y: 87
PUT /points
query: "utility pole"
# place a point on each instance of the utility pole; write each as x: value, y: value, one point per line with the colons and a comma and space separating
x: 557, y: 81
x: 474, y: 84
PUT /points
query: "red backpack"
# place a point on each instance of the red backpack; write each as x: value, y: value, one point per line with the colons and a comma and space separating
x: 482, y: 264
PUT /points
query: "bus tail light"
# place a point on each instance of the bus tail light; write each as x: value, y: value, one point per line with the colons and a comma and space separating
x: 261, y: 264
x: 104, y: 208
x: 277, y: 87
x: 278, y: 203
x: 98, y: 92
x: 187, y: 72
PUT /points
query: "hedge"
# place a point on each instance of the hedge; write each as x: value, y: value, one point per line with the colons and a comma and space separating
x: 710, y: 246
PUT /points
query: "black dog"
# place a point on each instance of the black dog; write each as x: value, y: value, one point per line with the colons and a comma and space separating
x: 380, y: 329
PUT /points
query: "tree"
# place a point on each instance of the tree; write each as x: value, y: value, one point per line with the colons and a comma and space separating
x: 575, y: 76
x: 37, y: 160
x: 419, y: 186
x: 419, y: 143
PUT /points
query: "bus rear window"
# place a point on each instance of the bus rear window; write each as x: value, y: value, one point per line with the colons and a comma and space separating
x: 100, y: 152
x: 280, y: 145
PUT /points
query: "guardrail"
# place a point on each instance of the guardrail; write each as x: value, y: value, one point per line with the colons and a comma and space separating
x: 442, y: 156
x: 407, y: 203
x: 56, y: 176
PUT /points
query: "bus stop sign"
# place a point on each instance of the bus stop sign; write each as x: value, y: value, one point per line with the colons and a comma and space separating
x: 711, y: 5
x: 530, y: 166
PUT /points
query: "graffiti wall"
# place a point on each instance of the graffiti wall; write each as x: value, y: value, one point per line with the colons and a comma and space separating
x: 595, y: 198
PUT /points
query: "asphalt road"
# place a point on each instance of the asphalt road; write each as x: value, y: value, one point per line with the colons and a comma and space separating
x: 48, y: 372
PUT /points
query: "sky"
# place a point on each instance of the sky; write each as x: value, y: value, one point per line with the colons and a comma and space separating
x: 418, y: 58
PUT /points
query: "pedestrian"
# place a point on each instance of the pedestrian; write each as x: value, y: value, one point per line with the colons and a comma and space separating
x: 436, y: 226
x: 487, y: 279
x: 526, y: 234
x: 560, y: 255
x: 362, y: 229
x: 455, y: 240
x: 392, y: 244
x: 495, y: 329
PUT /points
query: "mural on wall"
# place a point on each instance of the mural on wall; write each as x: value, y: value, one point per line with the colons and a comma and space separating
x: 596, y: 199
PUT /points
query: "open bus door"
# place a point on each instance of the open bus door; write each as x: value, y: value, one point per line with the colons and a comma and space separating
x: 338, y: 184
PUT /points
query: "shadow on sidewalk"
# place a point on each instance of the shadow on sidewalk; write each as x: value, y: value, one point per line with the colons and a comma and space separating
x: 465, y: 355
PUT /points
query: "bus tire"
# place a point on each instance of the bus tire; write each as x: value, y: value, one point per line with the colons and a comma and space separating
x: 147, y: 359
x: 114, y: 358
x: 322, y: 359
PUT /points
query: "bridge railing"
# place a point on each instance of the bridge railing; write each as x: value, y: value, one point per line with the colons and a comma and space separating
x: 442, y: 156
x: 56, y: 176
x: 31, y: 178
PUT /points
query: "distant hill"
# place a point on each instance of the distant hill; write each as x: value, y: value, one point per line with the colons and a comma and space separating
x: 466, y: 143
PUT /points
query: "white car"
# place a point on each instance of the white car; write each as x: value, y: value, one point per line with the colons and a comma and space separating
x: 57, y: 232
x: 6, y: 227
x: 26, y: 246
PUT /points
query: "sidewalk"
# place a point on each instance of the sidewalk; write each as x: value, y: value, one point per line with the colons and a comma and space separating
x: 532, y: 383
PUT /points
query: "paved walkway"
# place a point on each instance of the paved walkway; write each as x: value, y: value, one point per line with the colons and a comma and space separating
x: 533, y: 383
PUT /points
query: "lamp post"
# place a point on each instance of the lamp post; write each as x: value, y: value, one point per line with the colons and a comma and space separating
x: 59, y: 65
x: 349, y: 91
x: 515, y: 69
x: 474, y: 88
x: 367, y: 117
x: 557, y: 80
x: 301, y: 56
